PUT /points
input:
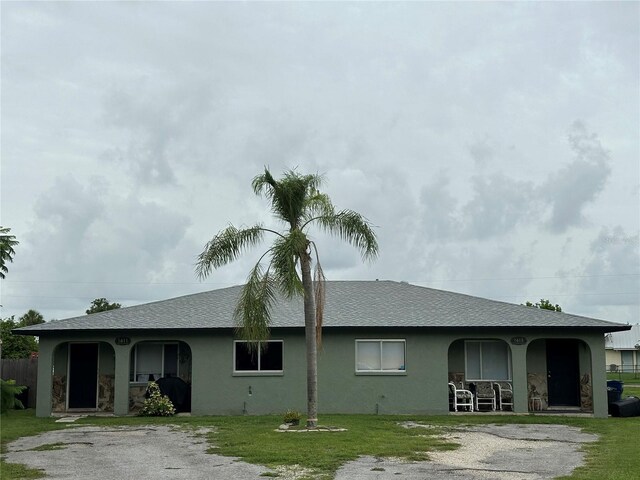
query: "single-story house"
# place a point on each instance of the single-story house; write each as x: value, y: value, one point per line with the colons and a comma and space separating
x: 388, y: 347
x: 623, y: 350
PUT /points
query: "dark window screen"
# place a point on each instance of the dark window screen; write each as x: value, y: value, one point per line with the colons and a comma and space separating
x: 245, y: 360
x: 271, y: 356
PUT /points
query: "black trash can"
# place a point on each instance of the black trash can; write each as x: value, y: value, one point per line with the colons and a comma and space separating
x: 613, y: 395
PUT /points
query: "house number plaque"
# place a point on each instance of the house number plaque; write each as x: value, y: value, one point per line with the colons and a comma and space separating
x: 518, y: 340
x: 123, y: 340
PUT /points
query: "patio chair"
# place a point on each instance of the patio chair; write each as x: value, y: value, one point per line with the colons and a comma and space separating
x: 485, y: 395
x: 460, y: 398
x: 504, y: 394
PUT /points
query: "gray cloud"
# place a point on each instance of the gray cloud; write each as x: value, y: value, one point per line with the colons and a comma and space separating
x: 569, y: 190
x: 114, y: 241
x: 612, y: 269
x: 438, y: 210
x: 441, y: 122
x: 499, y: 205
x: 158, y: 120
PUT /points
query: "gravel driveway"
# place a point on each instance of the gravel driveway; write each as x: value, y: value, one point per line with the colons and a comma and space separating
x: 518, y: 452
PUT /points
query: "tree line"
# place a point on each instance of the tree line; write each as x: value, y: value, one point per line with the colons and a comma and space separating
x: 26, y: 346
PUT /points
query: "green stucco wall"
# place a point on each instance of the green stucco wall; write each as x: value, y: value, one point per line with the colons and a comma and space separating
x: 422, y: 389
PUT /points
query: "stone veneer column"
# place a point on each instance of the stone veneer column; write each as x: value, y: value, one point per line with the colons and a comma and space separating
x: 121, y: 384
x: 598, y: 375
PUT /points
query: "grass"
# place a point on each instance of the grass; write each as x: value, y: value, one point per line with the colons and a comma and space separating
x: 50, y: 446
x: 21, y: 423
x: 627, y: 377
x: 253, y: 439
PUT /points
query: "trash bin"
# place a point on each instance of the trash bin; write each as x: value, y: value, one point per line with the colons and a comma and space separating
x: 615, y: 384
x: 613, y: 395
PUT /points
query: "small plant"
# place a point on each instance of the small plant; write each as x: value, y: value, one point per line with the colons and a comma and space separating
x: 8, y: 392
x: 291, y: 417
x: 157, y: 405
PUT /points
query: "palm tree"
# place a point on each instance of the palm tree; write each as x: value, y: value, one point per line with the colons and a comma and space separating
x: 32, y: 317
x: 296, y: 202
x: 7, y: 242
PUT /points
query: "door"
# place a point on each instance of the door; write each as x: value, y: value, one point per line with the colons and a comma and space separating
x: 563, y: 373
x: 83, y: 375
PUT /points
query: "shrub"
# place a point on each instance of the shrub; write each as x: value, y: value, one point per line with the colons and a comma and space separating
x: 8, y: 399
x: 291, y: 416
x: 157, y: 405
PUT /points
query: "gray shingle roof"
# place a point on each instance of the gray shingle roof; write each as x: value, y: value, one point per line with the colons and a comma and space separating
x: 348, y: 304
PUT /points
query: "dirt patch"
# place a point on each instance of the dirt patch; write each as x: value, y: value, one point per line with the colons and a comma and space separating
x: 500, y: 452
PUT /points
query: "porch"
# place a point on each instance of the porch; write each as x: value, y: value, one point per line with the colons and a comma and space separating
x: 549, y: 374
x: 83, y: 375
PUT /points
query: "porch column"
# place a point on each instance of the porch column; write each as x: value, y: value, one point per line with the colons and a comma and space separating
x: 121, y: 387
x: 598, y: 376
x: 45, y: 372
x: 519, y: 372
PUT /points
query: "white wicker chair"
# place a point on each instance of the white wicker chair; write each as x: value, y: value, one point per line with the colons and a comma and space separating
x: 485, y: 395
x: 460, y: 398
x: 504, y: 394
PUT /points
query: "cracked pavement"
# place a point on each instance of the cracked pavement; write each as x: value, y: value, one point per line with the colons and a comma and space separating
x: 514, y: 452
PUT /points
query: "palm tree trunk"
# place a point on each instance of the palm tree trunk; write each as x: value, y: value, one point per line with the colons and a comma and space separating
x: 310, y: 336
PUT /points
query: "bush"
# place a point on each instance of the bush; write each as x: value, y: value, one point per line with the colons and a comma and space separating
x: 8, y: 399
x: 157, y: 405
x: 291, y: 416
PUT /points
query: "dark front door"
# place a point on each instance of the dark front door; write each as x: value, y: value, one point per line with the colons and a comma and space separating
x: 563, y: 373
x: 83, y: 375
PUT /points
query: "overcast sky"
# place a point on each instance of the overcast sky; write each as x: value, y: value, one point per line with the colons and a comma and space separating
x: 495, y: 146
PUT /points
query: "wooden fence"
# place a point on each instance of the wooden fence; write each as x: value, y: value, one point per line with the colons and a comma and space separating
x: 25, y: 372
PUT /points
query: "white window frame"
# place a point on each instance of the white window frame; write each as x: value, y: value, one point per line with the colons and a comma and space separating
x: 260, y: 372
x: 466, y: 362
x: 381, y: 341
x: 135, y: 360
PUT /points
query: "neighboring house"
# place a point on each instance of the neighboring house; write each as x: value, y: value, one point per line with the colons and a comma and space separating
x: 623, y: 350
x: 388, y: 347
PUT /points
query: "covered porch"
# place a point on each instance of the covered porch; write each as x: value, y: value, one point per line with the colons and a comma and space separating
x: 100, y: 375
x: 526, y: 374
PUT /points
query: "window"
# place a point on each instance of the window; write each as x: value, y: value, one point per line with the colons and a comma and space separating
x: 380, y: 356
x: 487, y: 360
x: 267, y: 358
x: 151, y: 361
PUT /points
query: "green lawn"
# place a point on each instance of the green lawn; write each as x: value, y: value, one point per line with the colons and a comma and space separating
x: 630, y: 392
x: 253, y: 439
x: 633, y: 378
x: 16, y: 424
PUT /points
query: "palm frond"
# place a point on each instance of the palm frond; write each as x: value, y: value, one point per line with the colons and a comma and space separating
x: 318, y: 205
x: 353, y: 228
x: 225, y: 247
x: 7, y: 242
x: 285, y: 255
x: 289, y: 195
x: 319, y: 290
x: 253, y: 311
